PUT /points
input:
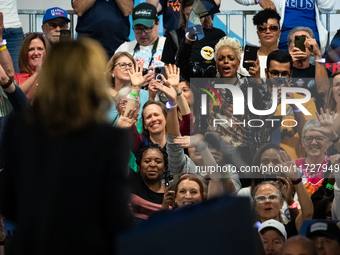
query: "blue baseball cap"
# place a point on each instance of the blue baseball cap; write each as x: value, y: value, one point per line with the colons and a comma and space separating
x: 55, y: 12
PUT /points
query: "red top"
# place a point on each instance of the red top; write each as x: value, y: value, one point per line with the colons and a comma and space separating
x: 21, y: 77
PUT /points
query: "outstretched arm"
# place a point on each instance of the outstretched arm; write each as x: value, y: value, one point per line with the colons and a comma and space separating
x: 5, y: 57
x: 81, y: 6
x: 307, y: 209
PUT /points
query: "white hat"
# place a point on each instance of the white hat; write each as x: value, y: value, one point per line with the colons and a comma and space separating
x: 274, y: 224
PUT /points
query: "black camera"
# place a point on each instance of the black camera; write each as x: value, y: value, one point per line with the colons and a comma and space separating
x: 145, y: 71
x: 279, y: 81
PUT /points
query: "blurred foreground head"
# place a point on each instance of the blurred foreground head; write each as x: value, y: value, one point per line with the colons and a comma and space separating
x: 73, y: 90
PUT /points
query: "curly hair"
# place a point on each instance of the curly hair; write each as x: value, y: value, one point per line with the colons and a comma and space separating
x: 230, y: 42
x: 140, y: 154
x: 264, y: 15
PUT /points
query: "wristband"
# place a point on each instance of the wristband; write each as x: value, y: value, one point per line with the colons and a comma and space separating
x: 2, y: 243
x: 329, y: 190
x: 169, y: 106
x: 3, y: 48
x: 335, y: 141
x: 129, y: 97
x: 329, y: 186
x: 187, y: 36
x: 201, y: 147
x: 179, y: 93
x: 9, y: 83
x: 3, y: 43
x: 296, y: 181
x: 133, y: 95
x: 294, y: 205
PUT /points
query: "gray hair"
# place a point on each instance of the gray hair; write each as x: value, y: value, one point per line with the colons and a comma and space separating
x: 297, y: 29
x: 270, y: 183
x: 123, y: 92
x: 311, y: 123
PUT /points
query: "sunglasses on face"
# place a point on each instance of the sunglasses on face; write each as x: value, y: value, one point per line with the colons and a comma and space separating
x: 30, y: 33
x: 53, y: 25
x: 263, y: 29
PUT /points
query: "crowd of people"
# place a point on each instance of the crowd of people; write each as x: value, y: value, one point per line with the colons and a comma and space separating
x: 98, y: 137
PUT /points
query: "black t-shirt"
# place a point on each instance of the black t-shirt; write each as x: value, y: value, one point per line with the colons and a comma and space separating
x: 105, y: 23
x: 202, y: 50
x: 291, y: 228
x: 305, y: 78
x: 170, y: 11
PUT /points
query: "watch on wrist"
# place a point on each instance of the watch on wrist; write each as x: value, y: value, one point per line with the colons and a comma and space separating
x: 297, y: 181
x: 335, y: 140
x: 6, y: 85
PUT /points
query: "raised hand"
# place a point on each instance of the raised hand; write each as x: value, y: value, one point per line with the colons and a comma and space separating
x: 288, y: 165
x: 267, y: 4
x: 1, y: 25
x: 287, y: 188
x: 173, y: 74
x: 3, y: 76
x: 313, y: 46
x: 188, y: 141
x: 170, y: 92
x: 326, y: 124
x: 297, y: 54
x: 254, y: 70
x: 136, y: 75
x: 129, y: 120
x: 168, y: 198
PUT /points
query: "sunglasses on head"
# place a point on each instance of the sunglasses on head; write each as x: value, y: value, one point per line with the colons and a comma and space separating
x: 263, y: 29
x: 30, y: 33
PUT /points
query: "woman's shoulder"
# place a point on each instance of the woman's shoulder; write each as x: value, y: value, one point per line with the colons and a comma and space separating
x: 21, y: 77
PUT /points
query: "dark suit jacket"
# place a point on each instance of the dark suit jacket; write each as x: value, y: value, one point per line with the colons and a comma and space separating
x: 66, y: 194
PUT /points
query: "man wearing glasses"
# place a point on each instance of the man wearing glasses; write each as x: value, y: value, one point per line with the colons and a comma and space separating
x: 279, y: 73
x: 148, y: 46
x: 55, y: 19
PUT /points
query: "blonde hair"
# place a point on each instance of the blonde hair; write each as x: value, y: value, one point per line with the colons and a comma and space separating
x: 230, y: 42
x: 73, y: 91
x: 112, y: 63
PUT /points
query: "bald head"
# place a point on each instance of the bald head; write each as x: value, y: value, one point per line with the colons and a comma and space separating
x: 298, y: 245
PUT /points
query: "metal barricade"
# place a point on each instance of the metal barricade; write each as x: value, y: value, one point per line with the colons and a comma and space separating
x: 34, y: 14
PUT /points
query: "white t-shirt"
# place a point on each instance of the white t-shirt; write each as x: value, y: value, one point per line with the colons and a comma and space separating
x: 263, y: 65
x: 10, y: 12
x: 144, y: 53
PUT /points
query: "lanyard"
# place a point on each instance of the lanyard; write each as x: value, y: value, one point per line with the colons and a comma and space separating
x: 154, y: 49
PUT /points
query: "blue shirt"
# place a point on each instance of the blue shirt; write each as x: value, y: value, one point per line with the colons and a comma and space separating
x: 298, y: 13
